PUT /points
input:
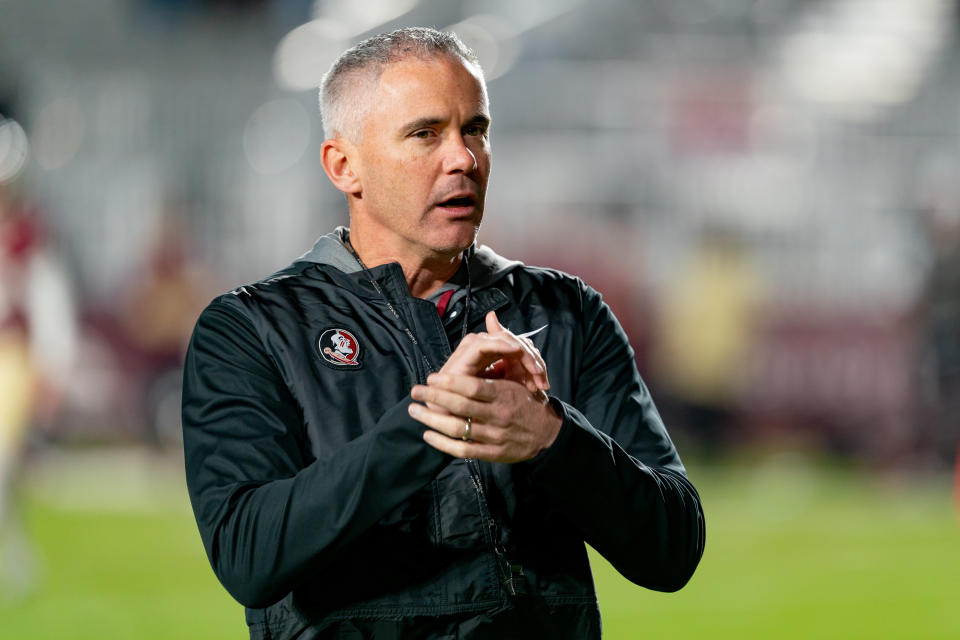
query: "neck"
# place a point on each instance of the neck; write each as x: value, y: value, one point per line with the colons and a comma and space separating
x: 424, y: 275
x: 424, y: 280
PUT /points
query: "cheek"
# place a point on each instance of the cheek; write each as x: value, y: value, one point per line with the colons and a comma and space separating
x: 483, y: 157
x: 484, y: 170
x: 402, y: 188
x: 384, y: 177
x: 415, y: 178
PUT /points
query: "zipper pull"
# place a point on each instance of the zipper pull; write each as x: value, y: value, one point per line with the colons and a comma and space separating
x: 518, y: 581
x: 508, y: 581
x: 509, y: 584
x: 503, y: 565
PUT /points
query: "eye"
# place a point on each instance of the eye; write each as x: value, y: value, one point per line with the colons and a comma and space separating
x: 475, y: 130
x: 423, y: 134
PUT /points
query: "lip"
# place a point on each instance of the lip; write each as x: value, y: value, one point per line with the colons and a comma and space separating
x: 465, y: 209
x: 458, y: 212
x: 463, y: 193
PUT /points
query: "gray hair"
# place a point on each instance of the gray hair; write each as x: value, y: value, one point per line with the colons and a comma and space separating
x: 341, y: 103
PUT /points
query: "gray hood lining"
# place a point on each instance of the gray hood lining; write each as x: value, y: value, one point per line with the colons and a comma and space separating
x: 486, y: 266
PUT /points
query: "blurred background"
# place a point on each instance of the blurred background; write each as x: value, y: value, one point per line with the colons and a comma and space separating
x: 766, y: 192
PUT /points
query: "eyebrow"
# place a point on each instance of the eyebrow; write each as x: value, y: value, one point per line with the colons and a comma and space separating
x: 479, y: 118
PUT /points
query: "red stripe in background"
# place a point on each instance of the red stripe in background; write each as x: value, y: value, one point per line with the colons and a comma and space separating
x: 443, y: 302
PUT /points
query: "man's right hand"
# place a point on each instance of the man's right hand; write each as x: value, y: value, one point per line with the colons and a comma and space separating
x: 499, y: 354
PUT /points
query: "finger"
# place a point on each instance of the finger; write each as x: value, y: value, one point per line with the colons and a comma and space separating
x: 477, y: 351
x: 456, y: 426
x: 502, y: 343
x: 531, y: 358
x: 510, y: 369
x: 491, y: 399
x: 450, y: 402
x: 462, y: 448
x: 450, y: 426
x: 482, y: 390
x: 538, y: 382
x: 533, y: 364
x: 493, y: 323
x: 436, y: 407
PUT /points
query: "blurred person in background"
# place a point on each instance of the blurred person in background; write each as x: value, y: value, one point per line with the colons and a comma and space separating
x: 705, y: 326
x: 37, y: 347
x: 359, y: 464
x: 938, y: 313
x: 157, y: 313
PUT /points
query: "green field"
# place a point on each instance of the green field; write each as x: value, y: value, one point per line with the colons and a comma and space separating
x: 794, y: 550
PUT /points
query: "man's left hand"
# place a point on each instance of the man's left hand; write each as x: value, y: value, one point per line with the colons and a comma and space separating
x: 508, y: 423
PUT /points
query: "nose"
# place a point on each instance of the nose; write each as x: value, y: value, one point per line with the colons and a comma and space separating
x: 458, y: 157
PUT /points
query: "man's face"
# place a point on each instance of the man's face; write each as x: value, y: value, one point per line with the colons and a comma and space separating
x: 424, y: 158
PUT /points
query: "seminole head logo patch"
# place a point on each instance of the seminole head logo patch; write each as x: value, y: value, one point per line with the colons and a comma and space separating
x: 340, y: 348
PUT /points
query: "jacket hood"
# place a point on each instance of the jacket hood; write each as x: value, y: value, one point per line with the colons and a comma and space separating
x: 486, y: 266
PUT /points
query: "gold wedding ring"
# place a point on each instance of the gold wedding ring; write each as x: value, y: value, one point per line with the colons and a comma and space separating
x: 466, y: 430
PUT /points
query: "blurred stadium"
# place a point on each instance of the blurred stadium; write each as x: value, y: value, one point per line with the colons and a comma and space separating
x: 766, y: 191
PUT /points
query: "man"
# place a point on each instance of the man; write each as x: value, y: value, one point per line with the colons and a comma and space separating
x: 37, y: 349
x: 422, y: 484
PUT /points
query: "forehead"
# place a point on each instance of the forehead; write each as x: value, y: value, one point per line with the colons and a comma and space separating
x: 414, y: 87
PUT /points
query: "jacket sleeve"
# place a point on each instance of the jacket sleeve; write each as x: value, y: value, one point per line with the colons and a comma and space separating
x: 268, y: 512
x: 613, y: 470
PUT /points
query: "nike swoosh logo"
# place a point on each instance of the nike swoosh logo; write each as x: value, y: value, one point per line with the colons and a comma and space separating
x: 531, y: 333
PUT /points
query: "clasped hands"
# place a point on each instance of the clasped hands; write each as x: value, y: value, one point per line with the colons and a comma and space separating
x: 495, y: 383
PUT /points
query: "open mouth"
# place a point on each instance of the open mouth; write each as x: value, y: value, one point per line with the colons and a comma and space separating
x: 454, y: 203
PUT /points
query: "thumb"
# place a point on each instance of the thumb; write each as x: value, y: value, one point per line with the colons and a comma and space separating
x: 493, y: 323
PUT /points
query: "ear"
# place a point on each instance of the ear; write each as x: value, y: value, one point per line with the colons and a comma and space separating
x: 335, y: 156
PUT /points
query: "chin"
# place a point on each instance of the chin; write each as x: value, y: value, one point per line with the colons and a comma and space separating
x: 455, y: 243
x: 448, y: 252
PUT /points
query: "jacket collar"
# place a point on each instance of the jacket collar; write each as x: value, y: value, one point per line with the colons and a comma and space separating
x: 486, y: 266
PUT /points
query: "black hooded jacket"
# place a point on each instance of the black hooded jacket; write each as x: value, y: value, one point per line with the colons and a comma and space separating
x: 324, y: 512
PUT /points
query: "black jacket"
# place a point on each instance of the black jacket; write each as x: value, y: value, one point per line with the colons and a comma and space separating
x: 324, y: 512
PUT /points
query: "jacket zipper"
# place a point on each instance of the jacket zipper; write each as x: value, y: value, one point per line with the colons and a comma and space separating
x: 504, y: 568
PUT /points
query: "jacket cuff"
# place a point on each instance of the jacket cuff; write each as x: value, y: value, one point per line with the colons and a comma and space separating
x: 404, y: 436
x: 572, y: 430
